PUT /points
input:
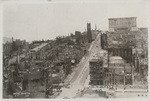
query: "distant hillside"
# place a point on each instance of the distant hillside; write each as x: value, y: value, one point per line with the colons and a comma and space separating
x: 6, y: 39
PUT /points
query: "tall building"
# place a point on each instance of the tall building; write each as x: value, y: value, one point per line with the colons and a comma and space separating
x: 96, y: 72
x: 115, y: 75
x: 124, y: 37
x: 126, y: 23
x: 89, y: 33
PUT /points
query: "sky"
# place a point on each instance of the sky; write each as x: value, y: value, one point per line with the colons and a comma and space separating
x: 37, y: 21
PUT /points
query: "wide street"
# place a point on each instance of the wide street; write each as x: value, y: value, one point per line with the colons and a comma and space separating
x: 80, y: 75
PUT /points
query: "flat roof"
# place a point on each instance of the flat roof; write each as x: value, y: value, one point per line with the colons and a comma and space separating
x: 122, y: 18
x: 116, y: 59
x: 95, y: 60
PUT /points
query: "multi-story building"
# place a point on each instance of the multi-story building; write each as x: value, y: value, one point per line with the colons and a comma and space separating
x: 89, y: 33
x: 96, y: 72
x: 127, y: 23
x: 123, y: 32
x: 125, y: 39
x: 115, y: 74
x: 125, y: 53
x: 118, y: 72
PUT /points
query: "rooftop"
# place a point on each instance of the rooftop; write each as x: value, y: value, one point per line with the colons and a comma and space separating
x: 95, y: 60
x: 122, y: 18
x: 39, y: 47
x: 116, y: 59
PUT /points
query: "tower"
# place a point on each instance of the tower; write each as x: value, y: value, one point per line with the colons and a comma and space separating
x: 89, y: 33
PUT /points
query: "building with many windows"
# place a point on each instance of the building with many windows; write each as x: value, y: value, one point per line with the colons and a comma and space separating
x: 115, y: 73
x: 118, y: 73
x: 126, y: 23
x: 96, y: 72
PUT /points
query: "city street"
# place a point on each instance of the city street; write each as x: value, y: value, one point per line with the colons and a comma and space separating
x: 75, y: 50
x: 78, y: 80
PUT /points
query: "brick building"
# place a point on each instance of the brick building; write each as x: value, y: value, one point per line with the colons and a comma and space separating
x: 115, y: 73
x: 96, y: 72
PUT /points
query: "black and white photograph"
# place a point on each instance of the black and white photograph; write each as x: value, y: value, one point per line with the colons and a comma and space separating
x: 75, y: 49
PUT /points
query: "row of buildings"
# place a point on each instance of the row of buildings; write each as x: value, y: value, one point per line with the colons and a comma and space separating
x: 126, y: 46
x: 39, y: 69
x: 118, y: 72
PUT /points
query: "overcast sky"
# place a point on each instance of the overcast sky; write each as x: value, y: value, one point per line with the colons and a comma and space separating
x: 37, y: 21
